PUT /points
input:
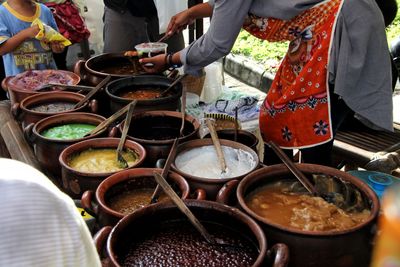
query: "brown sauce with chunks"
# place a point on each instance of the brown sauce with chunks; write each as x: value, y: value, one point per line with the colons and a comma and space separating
x: 142, y: 94
x: 180, y: 244
x: 301, y: 211
x: 129, y: 201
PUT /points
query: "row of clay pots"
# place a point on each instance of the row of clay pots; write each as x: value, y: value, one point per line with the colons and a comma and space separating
x: 109, y: 100
x: 351, y: 247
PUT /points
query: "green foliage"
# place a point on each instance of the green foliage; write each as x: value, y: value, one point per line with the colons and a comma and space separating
x: 270, y: 54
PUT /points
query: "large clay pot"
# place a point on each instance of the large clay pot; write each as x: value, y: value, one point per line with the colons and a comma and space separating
x: 213, y: 185
x: 244, y: 137
x: 145, y: 82
x: 93, y: 70
x: 156, y: 131
x: 48, y: 150
x: 123, y: 181
x: 148, y: 220
x: 351, y: 247
x: 24, y: 113
x: 75, y: 182
x: 17, y: 93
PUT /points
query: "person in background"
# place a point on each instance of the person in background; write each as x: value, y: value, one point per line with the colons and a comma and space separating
x: 338, y: 62
x: 131, y: 22
x: 40, y: 225
x: 18, y: 46
x: 61, y: 58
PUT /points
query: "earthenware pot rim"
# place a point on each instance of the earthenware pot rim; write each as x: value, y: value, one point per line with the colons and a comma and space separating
x: 142, y: 80
x: 10, y: 86
x: 106, y: 56
x: 126, y: 175
x: 46, y: 96
x: 208, y: 142
x: 230, y: 211
x: 59, y: 117
x: 97, y: 141
x: 280, y: 169
x: 163, y: 113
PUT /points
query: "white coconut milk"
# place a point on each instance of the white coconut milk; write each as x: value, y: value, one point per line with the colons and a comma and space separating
x: 203, y: 162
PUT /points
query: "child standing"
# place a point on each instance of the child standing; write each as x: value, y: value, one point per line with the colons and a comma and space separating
x: 18, y: 46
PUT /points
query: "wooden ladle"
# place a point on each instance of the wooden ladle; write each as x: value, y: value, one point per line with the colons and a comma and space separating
x: 120, y: 159
x: 217, y: 145
x: 186, y: 211
x: 292, y: 167
x: 172, y: 85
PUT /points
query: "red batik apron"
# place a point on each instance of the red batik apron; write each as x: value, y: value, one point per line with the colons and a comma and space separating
x: 296, y: 111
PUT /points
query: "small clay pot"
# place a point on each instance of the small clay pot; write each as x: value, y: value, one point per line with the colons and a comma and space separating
x: 48, y: 150
x: 23, y: 111
x: 98, y: 203
x: 92, y: 70
x: 211, y: 186
x: 142, y: 223
x: 76, y: 182
x: 347, y: 248
x: 156, y: 131
x: 144, y: 82
x: 17, y: 93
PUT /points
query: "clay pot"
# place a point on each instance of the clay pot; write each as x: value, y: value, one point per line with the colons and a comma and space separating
x: 92, y: 70
x: 244, y: 137
x: 145, y: 82
x: 75, y: 182
x: 211, y: 186
x: 156, y: 131
x: 351, y: 247
x: 144, y: 222
x: 17, y: 93
x: 98, y: 204
x: 48, y: 150
x: 24, y: 113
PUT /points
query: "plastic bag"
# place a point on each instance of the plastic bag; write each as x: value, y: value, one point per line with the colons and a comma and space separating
x: 166, y: 9
x: 48, y: 34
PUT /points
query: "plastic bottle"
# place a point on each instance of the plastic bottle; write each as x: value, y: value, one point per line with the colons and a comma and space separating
x: 387, y: 246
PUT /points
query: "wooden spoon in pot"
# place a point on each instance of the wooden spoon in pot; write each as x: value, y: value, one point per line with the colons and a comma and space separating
x: 122, y: 162
x: 217, y: 145
x: 172, y: 85
x: 186, y: 211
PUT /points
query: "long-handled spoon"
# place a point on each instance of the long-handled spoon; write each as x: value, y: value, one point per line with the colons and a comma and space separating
x: 183, y: 112
x: 217, y: 145
x: 292, y: 167
x: 93, y: 92
x: 104, y: 124
x: 172, y: 85
x: 186, y: 211
x: 121, y: 143
x: 164, y: 173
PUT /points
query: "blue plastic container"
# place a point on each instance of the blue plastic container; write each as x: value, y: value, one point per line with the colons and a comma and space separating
x: 378, y: 181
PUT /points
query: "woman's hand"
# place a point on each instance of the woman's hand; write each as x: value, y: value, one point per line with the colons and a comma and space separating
x: 57, y: 47
x: 155, y: 64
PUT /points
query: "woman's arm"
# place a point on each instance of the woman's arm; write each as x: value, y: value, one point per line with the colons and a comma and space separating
x: 227, y: 20
x: 181, y: 20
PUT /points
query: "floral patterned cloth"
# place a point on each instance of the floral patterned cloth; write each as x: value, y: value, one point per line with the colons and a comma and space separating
x: 296, y: 111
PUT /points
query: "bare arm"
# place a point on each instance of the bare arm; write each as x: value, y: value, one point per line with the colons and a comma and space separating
x: 181, y: 20
x: 12, y: 43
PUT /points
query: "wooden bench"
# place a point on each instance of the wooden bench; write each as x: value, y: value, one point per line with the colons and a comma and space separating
x: 355, y: 144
